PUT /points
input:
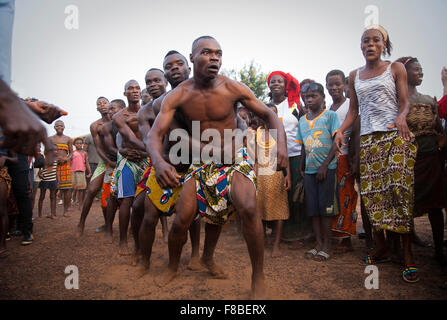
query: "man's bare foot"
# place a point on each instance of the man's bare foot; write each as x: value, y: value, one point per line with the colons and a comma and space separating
x: 195, y: 265
x: 67, y: 215
x: 135, y: 259
x: 141, y: 271
x: 258, y: 289
x: 49, y: 216
x: 108, y: 238
x: 165, y: 278
x: 276, y: 253
x: 124, y: 250
x: 216, y: 271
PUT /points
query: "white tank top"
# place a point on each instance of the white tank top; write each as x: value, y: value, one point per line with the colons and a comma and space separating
x: 377, y: 102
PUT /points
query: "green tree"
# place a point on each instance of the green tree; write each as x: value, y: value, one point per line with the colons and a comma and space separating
x: 253, y: 77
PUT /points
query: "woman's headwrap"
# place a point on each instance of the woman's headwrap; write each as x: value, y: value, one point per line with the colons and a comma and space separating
x: 292, y: 87
x: 380, y: 29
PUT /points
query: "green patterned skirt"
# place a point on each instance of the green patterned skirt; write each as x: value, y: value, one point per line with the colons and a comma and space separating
x: 387, y: 180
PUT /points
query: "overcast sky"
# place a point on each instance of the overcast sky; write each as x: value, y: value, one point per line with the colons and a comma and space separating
x: 120, y: 40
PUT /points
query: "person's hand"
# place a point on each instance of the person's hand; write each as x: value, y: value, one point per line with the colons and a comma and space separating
x: 112, y: 164
x: 321, y: 174
x: 287, y: 182
x: 134, y: 155
x: 167, y: 176
x: 45, y: 111
x: 402, y: 127
x: 282, y: 156
x: 21, y: 128
x: 339, y: 141
x: 89, y: 175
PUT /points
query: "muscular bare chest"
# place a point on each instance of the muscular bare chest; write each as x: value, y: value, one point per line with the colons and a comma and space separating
x: 214, y: 106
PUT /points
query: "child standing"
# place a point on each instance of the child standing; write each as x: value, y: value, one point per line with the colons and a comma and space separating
x: 48, y: 182
x: 79, y: 164
x: 316, y: 131
x: 271, y: 197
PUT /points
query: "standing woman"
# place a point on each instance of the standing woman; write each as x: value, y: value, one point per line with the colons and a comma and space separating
x: 387, y: 149
x: 285, y: 95
x: 430, y: 179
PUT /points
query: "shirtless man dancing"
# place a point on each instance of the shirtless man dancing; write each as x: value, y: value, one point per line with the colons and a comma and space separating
x: 210, y: 98
x: 176, y: 70
x: 132, y: 159
x: 102, y: 105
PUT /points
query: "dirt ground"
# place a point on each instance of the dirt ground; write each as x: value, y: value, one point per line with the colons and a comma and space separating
x: 37, y: 271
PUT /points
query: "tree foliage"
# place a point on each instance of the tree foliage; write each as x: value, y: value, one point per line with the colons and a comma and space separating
x: 253, y: 77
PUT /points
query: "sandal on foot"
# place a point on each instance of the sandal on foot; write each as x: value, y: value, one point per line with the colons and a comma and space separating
x: 410, y: 269
x: 311, y: 254
x: 321, y: 256
x: 371, y: 259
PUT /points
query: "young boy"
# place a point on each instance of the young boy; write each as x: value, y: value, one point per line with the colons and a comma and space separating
x: 316, y: 131
x: 48, y: 182
x: 79, y: 165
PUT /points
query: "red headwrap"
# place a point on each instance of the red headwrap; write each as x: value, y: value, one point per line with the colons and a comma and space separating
x: 292, y: 87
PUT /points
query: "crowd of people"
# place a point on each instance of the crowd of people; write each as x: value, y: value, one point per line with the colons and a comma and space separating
x: 300, y: 169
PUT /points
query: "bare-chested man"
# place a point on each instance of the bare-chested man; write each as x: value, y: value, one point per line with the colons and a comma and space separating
x: 132, y: 159
x: 96, y: 181
x: 109, y: 201
x: 210, y: 99
x: 156, y: 86
x: 176, y: 70
x: 65, y: 148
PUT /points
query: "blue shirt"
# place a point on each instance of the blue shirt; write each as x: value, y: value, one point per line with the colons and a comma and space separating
x: 316, y: 136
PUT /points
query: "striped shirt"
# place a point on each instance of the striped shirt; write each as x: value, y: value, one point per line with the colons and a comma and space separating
x: 377, y: 102
x: 50, y: 173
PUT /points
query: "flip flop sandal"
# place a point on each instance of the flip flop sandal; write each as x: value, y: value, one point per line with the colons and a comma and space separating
x: 321, y: 256
x: 374, y: 260
x: 311, y: 254
x: 409, y: 270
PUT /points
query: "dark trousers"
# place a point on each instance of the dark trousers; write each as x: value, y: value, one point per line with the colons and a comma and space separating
x: 21, y: 187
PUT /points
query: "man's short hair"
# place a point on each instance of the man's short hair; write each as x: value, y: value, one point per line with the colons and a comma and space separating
x: 102, y: 98
x: 171, y: 52
x: 126, y: 85
x: 119, y: 102
x: 200, y: 38
x: 156, y: 69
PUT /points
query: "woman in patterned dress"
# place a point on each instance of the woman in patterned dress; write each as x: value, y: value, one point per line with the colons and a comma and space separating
x: 387, y: 149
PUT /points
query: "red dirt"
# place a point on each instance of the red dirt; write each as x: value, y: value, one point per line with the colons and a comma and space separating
x: 37, y: 271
